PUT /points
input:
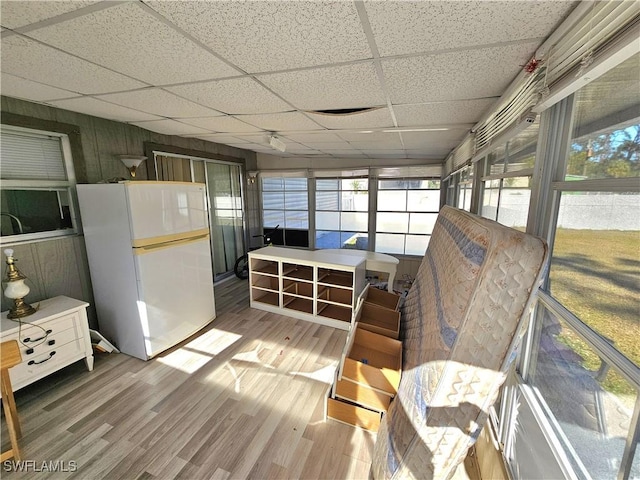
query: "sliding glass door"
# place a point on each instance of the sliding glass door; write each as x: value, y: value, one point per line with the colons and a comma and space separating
x: 226, y: 219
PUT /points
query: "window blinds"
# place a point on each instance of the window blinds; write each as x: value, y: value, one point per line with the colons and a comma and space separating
x: 582, y: 39
x: 30, y: 157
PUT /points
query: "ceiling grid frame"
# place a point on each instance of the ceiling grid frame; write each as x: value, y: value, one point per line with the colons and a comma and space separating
x: 432, y: 147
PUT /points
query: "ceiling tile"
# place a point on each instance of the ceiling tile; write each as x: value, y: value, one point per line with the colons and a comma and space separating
x: 455, y: 76
x: 340, y: 151
x: 220, y: 138
x: 170, y: 127
x: 221, y: 124
x: 15, y: 15
x: 324, y: 146
x: 262, y: 138
x: 321, y: 137
x: 28, y: 59
x: 377, y: 137
x: 379, y: 118
x: 13, y: 86
x: 345, y: 86
x: 383, y: 151
x: 277, y: 122
x: 426, y: 26
x: 442, y: 113
x: 160, y: 102
x: 129, y: 40
x: 235, y: 96
x: 371, y: 145
x: 273, y: 35
x: 433, y: 141
x: 98, y: 108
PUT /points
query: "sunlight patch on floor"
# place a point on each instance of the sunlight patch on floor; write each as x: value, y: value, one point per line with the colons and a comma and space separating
x: 195, y: 354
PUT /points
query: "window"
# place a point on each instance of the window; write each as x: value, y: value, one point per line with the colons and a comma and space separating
x: 407, y: 211
x: 585, y: 360
x: 285, y: 204
x: 37, y: 178
x: 506, y: 181
x: 342, y: 218
x: 465, y: 188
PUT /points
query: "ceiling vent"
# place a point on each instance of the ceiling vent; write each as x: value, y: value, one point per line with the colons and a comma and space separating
x: 343, y: 111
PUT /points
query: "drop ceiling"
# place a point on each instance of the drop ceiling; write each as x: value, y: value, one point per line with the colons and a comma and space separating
x: 233, y: 72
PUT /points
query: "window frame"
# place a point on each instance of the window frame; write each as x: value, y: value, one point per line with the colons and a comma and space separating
x: 407, y: 210
x: 283, y: 228
x: 68, y: 185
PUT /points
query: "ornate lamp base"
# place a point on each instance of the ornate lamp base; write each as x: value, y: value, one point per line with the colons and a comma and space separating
x: 21, y: 309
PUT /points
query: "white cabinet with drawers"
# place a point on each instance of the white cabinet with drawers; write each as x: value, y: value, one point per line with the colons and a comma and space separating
x: 52, y: 338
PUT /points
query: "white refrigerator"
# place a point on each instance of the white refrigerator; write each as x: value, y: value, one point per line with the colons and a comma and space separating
x: 150, y: 261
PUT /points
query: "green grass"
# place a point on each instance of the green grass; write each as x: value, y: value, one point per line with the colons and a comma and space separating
x: 596, y: 275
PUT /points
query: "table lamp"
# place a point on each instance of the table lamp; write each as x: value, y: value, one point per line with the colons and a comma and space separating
x: 16, y: 289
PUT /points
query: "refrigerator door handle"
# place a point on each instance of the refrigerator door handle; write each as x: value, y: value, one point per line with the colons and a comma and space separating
x: 161, y: 246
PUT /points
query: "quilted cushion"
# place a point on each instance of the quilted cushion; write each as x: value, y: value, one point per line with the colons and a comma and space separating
x: 461, y: 323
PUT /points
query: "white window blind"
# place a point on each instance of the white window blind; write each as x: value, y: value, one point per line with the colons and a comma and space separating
x: 285, y: 202
x: 31, y: 157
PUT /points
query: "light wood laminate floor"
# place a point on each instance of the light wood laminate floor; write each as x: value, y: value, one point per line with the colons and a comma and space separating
x: 243, y: 399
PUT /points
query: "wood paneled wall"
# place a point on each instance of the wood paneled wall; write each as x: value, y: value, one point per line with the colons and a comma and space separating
x: 59, y: 266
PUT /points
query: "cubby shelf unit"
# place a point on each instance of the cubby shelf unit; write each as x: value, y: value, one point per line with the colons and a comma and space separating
x: 311, y: 285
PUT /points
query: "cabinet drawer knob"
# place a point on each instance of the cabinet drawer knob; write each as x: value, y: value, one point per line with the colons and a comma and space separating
x: 33, y: 362
x: 51, y: 342
x: 29, y: 351
x: 29, y: 339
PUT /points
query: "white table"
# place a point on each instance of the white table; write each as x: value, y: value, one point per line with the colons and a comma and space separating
x: 376, y: 262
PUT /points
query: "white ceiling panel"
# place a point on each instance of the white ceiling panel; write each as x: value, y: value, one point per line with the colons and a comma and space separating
x: 419, y: 140
x: 442, y: 113
x: 98, y: 108
x: 235, y: 96
x: 129, y: 40
x: 14, y: 14
x: 462, y: 75
x: 330, y: 146
x: 160, y: 102
x: 323, y: 137
x: 340, y: 152
x: 273, y: 35
x: 427, y: 26
x: 277, y: 122
x: 371, y: 145
x: 224, y: 124
x: 171, y: 127
x: 221, y: 138
x: 346, y: 86
x: 378, y: 118
x: 377, y: 137
x: 13, y: 86
x: 230, y: 71
x: 29, y: 59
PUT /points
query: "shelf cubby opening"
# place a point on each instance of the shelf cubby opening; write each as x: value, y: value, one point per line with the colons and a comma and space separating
x: 335, y: 312
x: 270, y: 298
x: 302, y: 289
x: 340, y: 296
x: 266, y: 267
x: 297, y: 303
x: 335, y: 278
x: 297, y: 272
x: 265, y: 282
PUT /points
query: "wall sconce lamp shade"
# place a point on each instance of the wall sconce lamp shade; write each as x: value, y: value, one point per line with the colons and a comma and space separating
x: 132, y: 162
x: 251, y: 177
